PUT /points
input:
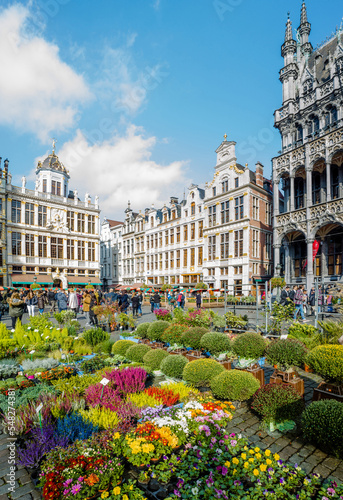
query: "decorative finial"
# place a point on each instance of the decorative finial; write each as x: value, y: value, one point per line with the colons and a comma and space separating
x: 288, y: 15
x: 246, y: 164
x: 225, y: 137
x: 129, y: 204
x: 53, y: 145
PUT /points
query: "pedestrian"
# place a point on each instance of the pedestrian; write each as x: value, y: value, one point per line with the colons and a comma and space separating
x: 152, y: 303
x: 73, y: 302
x: 61, y: 301
x: 140, y: 299
x: 16, y: 308
x: 135, y: 304
x: 320, y: 299
x: 292, y: 293
x: 124, y: 302
x: 198, y: 300
x: 305, y: 302
x: 312, y: 300
x: 183, y: 300
x: 179, y: 299
x: 52, y: 300
x: 41, y: 301
x: 157, y: 301
x: 92, y: 314
x: 299, y: 303
x: 86, y: 306
x: 284, y: 296
x: 31, y: 301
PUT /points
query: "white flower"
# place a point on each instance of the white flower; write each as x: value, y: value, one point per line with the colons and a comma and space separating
x: 29, y: 327
x: 13, y: 330
x: 195, y: 491
x: 219, y: 451
x: 36, y: 330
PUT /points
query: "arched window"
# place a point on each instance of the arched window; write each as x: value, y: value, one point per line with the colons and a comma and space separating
x: 315, y: 124
x: 316, y: 188
x: 334, y: 182
x: 307, y: 87
x: 333, y: 115
x: 298, y: 192
x: 299, y: 133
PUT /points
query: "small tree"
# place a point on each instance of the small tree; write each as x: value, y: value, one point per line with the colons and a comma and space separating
x: 201, y: 285
x: 277, y: 282
x: 278, y: 315
x: 165, y: 287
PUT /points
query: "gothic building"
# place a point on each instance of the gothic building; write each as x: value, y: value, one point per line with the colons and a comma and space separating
x: 308, y: 222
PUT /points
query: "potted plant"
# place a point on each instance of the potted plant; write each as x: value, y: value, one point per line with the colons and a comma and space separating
x: 219, y: 323
x: 327, y: 361
x: 234, y: 322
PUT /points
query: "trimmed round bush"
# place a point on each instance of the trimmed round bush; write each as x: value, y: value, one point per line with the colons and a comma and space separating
x: 322, y: 425
x: 142, y: 329
x: 154, y: 358
x: 173, y: 334
x: 200, y: 372
x: 215, y: 343
x: 286, y: 353
x: 156, y: 329
x: 249, y: 345
x: 278, y: 402
x: 192, y: 337
x: 234, y: 385
x: 121, y: 346
x: 173, y: 365
x: 137, y: 352
x: 327, y: 361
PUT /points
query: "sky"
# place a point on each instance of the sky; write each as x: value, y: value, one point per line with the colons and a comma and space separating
x: 139, y: 93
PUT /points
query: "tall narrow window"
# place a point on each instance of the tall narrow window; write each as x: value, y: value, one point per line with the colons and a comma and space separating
x: 239, y: 207
x: 334, y: 182
x: 193, y: 231
x: 42, y: 246
x: 91, y: 251
x: 224, y: 246
x: 185, y: 232
x: 29, y: 245
x: 239, y: 243
x: 91, y: 224
x: 178, y: 234
x: 299, y: 192
x: 58, y: 188
x: 212, y: 215
x: 166, y: 237
x: 16, y: 211
x: 42, y: 212
x: 70, y: 220
x: 16, y: 243
x: 171, y: 236
x: 53, y: 187
x: 200, y: 256
x: 211, y: 247
x: 185, y: 254
x: 255, y: 243
x: 56, y: 248
x: 225, y: 212
x: 81, y: 223
x: 316, y: 188
x: 255, y: 208
x: 44, y: 185
x: 171, y: 260
x: 200, y: 228
x: 178, y: 255
x: 214, y: 191
x: 193, y: 208
x: 81, y: 250
x: 225, y: 186
x: 29, y: 214
x: 70, y: 249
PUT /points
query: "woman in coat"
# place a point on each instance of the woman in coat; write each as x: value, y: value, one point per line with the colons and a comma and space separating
x: 73, y: 302
x: 16, y: 307
x: 42, y: 301
x: 86, y: 306
x: 31, y: 301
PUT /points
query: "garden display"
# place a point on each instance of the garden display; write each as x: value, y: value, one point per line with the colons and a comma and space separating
x: 107, y: 429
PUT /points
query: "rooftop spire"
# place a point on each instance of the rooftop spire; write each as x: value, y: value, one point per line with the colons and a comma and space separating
x: 303, y: 18
x: 288, y: 35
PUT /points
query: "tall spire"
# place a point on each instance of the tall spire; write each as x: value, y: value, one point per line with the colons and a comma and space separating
x: 303, y: 18
x: 288, y: 35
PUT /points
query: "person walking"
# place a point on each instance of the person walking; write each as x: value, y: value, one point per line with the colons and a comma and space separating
x: 140, y: 302
x: 86, y: 305
x: 41, y: 301
x: 135, y: 304
x: 31, y: 301
x: 292, y: 293
x: 183, y: 300
x: 198, y: 300
x: 16, y: 308
x: 284, y: 296
x: 73, y: 302
x: 152, y: 303
x: 157, y: 301
x: 62, y: 301
x: 312, y: 300
x: 179, y: 299
x: 52, y: 300
x: 92, y: 315
x: 299, y: 303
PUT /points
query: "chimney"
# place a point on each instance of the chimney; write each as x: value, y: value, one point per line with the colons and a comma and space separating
x: 259, y: 174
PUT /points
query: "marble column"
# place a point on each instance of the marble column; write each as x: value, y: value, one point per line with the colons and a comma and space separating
x: 328, y: 181
x: 277, y: 247
x: 309, y: 269
x: 291, y: 193
x: 287, y: 262
x: 308, y: 187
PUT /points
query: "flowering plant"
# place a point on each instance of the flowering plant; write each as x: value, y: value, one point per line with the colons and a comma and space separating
x: 163, y: 314
x: 128, y: 491
x: 57, y: 373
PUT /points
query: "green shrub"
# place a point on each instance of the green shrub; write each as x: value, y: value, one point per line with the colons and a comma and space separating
x: 121, y: 346
x: 173, y: 365
x: 278, y: 402
x: 173, y: 334
x: 249, y: 345
x: 286, y: 353
x: 95, y: 336
x: 154, y: 358
x: 105, y: 347
x: 322, y: 425
x: 200, y: 372
x: 141, y: 330
x: 193, y: 336
x: 136, y: 352
x: 215, y: 343
x: 297, y: 330
x: 327, y: 361
x: 234, y: 385
x: 156, y: 329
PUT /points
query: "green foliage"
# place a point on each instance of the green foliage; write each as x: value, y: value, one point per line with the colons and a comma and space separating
x: 234, y: 321
x: 278, y: 315
x: 327, y: 361
x: 215, y: 343
x: 179, y: 315
x: 141, y: 330
x: 173, y: 334
x: 76, y: 383
x: 92, y: 365
x: 332, y: 331
x: 156, y: 329
x: 234, y: 385
x: 104, y: 347
x: 94, y: 336
x: 322, y: 424
x: 121, y: 346
x: 40, y: 322
x: 136, y: 352
x: 4, y: 333
x: 249, y: 345
x: 201, y: 286
x: 200, y: 372
x: 286, y: 353
x: 173, y: 365
x: 278, y: 402
x: 299, y: 330
x: 192, y: 337
x: 277, y: 282
x: 154, y: 358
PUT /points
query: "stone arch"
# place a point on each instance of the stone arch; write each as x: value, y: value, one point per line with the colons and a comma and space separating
x: 318, y: 164
x: 323, y: 226
x: 337, y: 157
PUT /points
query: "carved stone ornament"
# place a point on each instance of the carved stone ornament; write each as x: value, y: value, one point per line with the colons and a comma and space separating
x: 57, y: 220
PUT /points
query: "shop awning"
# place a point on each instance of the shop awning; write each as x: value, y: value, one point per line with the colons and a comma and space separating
x: 28, y: 279
x: 83, y: 280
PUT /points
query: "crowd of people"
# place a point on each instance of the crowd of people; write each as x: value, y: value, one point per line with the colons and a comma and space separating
x: 305, y: 302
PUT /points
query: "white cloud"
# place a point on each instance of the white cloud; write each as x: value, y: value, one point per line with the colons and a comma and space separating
x: 39, y: 93
x: 121, y: 169
x: 156, y: 4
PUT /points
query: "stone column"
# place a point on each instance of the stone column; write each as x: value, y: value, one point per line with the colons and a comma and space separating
x: 308, y: 188
x: 309, y: 269
x: 324, y: 257
x: 291, y: 209
x: 277, y: 247
x: 276, y: 202
x: 328, y: 181
x: 287, y: 262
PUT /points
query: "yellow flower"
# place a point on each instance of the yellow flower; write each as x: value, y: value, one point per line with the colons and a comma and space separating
x: 276, y: 456
x: 235, y: 461
x: 244, y: 456
x: 251, y: 452
x: 105, y: 494
x: 255, y: 472
x: 257, y: 449
x: 227, y: 464
x: 131, y: 487
x: 245, y: 448
x: 267, y: 453
x: 263, y: 467
x: 117, y: 435
x: 116, y: 490
x: 268, y: 461
x: 251, y: 460
x: 125, y: 497
x: 258, y: 456
x: 234, y: 472
x: 246, y: 465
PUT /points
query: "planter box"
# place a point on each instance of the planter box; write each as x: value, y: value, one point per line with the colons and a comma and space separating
x: 226, y: 363
x: 192, y: 355
x: 178, y: 351
x: 290, y: 378
x: 328, y: 391
x: 257, y: 372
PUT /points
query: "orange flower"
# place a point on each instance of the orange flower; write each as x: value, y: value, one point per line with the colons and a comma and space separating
x: 91, y: 480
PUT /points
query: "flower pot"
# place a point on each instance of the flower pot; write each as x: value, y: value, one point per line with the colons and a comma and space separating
x: 307, y: 368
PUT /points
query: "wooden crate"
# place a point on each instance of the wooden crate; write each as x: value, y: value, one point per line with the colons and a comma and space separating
x: 297, y: 383
x: 226, y: 364
x: 328, y: 391
x: 258, y: 373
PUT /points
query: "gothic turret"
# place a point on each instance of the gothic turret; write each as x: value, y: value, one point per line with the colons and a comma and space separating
x: 304, y: 31
x: 290, y: 71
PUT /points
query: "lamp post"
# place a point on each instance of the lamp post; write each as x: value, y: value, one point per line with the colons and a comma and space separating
x: 278, y: 268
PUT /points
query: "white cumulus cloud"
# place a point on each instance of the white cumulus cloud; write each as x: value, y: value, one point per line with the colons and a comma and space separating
x: 39, y: 92
x: 121, y: 169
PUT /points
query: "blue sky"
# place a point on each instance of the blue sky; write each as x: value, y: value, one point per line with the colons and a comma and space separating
x: 139, y: 94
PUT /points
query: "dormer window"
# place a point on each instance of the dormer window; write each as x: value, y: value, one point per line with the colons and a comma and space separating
x: 152, y: 221
x: 44, y: 185
x: 165, y: 217
x: 193, y: 208
x: 225, y: 186
x: 214, y: 191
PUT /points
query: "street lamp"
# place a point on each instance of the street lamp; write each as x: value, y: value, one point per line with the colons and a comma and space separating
x: 278, y: 269
x: 35, y: 279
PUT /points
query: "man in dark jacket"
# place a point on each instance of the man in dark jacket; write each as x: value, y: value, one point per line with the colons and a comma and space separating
x: 284, y: 296
x: 135, y: 304
x: 157, y: 301
x: 62, y: 301
x: 198, y: 300
x: 292, y: 293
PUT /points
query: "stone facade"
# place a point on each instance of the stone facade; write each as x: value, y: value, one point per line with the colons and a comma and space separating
x: 52, y: 236
x: 308, y: 217
x: 110, y: 252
